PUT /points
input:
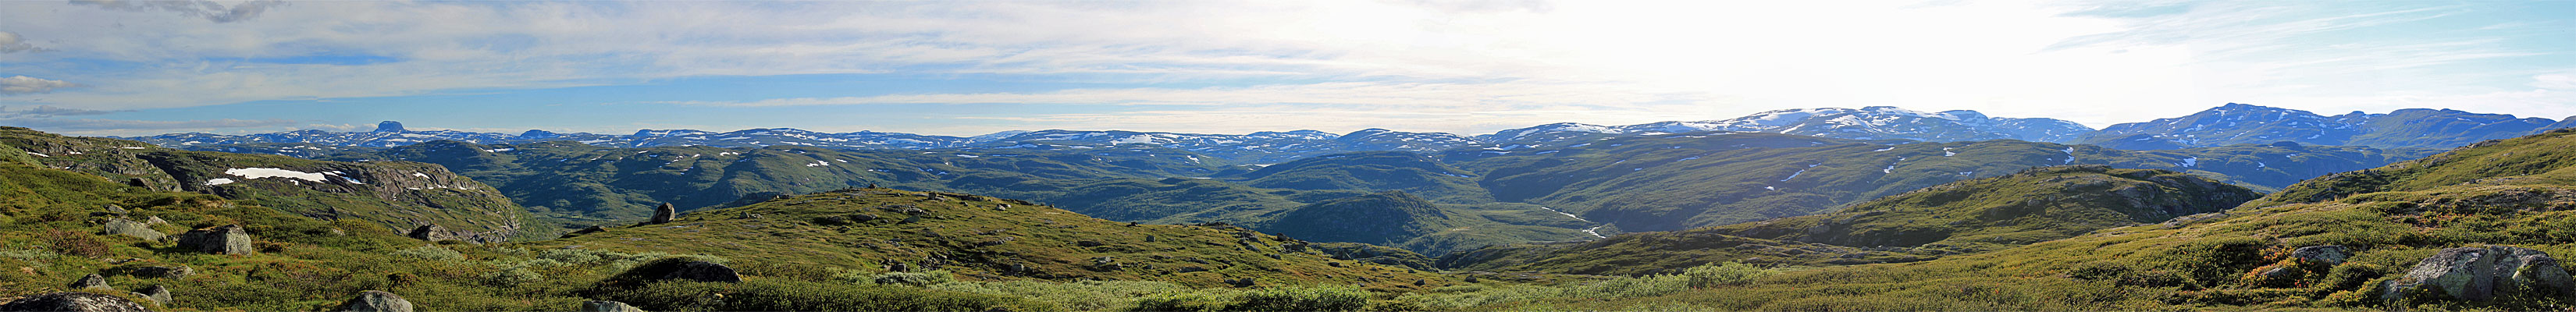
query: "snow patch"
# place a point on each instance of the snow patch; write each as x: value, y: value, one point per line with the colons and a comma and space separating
x: 218, y: 181
x: 255, y: 173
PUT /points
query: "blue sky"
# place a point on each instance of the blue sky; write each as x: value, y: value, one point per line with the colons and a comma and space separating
x: 127, y: 67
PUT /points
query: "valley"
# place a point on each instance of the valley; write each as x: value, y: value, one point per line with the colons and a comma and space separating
x: 1755, y: 213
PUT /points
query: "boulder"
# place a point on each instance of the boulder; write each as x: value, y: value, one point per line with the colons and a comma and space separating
x: 2330, y: 255
x: 679, y: 269
x: 163, y: 272
x: 375, y: 301
x: 70, y: 301
x: 228, y: 239
x: 663, y: 214
x: 607, y: 306
x: 2482, y: 274
x: 431, y: 232
x: 93, y: 281
x: 116, y: 210
x: 154, y: 220
x: 159, y: 295
x: 131, y: 228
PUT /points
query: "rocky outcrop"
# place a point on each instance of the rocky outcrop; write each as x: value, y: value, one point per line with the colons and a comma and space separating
x: 93, y: 281
x: 2329, y: 255
x: 432, y: 233
x: 662, y: 214
x: 228, y: 239
x: 607, y: 306
x: 131, y: 228
x: 70, y: 301
x: 159, y: 295
x: 375, y: 301
x: 2482, y: 274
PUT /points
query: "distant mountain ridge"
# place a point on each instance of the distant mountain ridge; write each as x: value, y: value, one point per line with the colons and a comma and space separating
x: 2242, y: 123
x: 2224, y: 125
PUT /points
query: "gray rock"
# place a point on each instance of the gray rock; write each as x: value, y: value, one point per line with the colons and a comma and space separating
x: 431, y: 232
x: 70, y: 301
x: 163, y: 272
x: 228, y: 239
x: 375, y: 301
x: 159, y: 295
x: 116, y: 210
x: 2482, y: 274
x: 607, y: 306
x: 131, y: 228
x: 663, y: 214
x: 2329, y: 255
x: 93, y: 281
x: 154, y: 220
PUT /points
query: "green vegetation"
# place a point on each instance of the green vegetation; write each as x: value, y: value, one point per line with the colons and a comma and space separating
x: 397, y: 195
x: 1681, y: 181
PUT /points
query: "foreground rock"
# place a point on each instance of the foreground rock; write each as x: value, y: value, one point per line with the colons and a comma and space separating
x: 2482, y: 274
x: 608, y: 306
x: 375, y: 301
x: 131, y: 228
x: 663, y: 214
x: 93, y: 281
x: 70, y: 301
x: 431, y: 233
x: 159, y: 295
x: 228, y: 239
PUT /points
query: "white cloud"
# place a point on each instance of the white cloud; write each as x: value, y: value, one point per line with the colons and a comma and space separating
x: 11, y: 43
x: 210, y: 10
x: 1647, y: 60
x: 27, y: 85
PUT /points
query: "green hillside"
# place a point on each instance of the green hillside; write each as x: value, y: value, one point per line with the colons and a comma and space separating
x: 881, y: 230
x: 1963, y: 217
x: 2241, y: 259
x: 1371, y: 171
x: 397, y: 195
x: 582, y: 185
x: 1680, y: 181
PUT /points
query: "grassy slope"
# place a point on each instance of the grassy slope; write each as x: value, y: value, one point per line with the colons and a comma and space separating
x: 398, y: 195
x: 976, y: 237
x: 1672, y: 182
x: 2207, y: 263
x: 1962, y: 217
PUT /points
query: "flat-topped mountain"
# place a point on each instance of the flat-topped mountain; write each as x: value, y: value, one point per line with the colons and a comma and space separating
x: 1867, y: 123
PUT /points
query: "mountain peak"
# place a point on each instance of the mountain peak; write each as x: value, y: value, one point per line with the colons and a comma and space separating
x: 389, y: 126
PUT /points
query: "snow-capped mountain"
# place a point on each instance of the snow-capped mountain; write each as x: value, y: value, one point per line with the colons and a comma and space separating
x: 2241, y: 123
x: 1874, y: 122
x: 1258, y: 147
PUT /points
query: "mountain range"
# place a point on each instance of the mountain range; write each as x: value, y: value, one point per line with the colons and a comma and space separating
x: 2225, y: 125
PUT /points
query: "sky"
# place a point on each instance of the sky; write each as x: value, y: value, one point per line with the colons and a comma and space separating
x: 131, y: 67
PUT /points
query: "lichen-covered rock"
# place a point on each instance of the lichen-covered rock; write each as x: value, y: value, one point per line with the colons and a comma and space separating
x: 93, y: 281
x: 228, y: 239
x: 2327, y: 254
x: 432, y: 232
x: 375, y: 301
x: 70, y: 301
x: 2482, y: 274
x: 159, y: 295
x: 131, y: 228
x: 607, y: 306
